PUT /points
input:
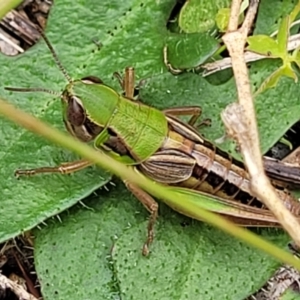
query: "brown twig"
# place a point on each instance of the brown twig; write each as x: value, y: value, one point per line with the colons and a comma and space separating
x: 225, y: 63
x: 18, y: 290
x: 240, y: 120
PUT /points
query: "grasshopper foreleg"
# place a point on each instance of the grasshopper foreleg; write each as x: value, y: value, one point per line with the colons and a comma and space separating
x: 64, y: 168
x: 127, y: 82
x: 151, y: 205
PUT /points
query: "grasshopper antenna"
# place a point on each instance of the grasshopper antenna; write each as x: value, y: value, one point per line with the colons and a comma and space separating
x: 24, y: 90
x: 55, y: 57
x: 58, y: 63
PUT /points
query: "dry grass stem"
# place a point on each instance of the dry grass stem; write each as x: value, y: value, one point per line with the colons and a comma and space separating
x: 240, y: 120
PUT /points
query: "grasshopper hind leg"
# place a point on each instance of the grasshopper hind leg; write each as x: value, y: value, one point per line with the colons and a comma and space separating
x: 151, y: 205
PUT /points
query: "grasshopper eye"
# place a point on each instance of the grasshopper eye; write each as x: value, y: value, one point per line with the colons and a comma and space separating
x: 75, y: 113
x: 92, y: 80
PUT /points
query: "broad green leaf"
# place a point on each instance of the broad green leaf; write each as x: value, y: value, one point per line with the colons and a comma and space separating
x: 188, y: 51
x: 263, y: 44
x: 73, y: 259
x: 198, y: 267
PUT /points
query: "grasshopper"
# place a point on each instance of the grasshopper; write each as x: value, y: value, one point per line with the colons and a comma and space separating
x: 159, y: 145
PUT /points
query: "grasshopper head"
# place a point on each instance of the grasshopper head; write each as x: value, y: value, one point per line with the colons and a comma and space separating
x: 74, y: 115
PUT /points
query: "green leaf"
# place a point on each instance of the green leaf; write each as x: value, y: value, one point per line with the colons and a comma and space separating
x: 288, y: 71
x: 296, y: 57
x: 263, y: 44
x: 79, y: 266
x: 187, y: 51
x: 206, y: 266
x: 282, y: 36
x: 222, y: 19
x: 272, y: 80
x: 294, y: 13
x: 270, y: 14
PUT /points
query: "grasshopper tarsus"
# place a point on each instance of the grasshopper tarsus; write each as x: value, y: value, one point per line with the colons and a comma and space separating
x: 63, y: 168
x: 29, y: 172
x: 145, y: 250
x: 206, y: 122
x: 150, y: 228
x: 150, y: 236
